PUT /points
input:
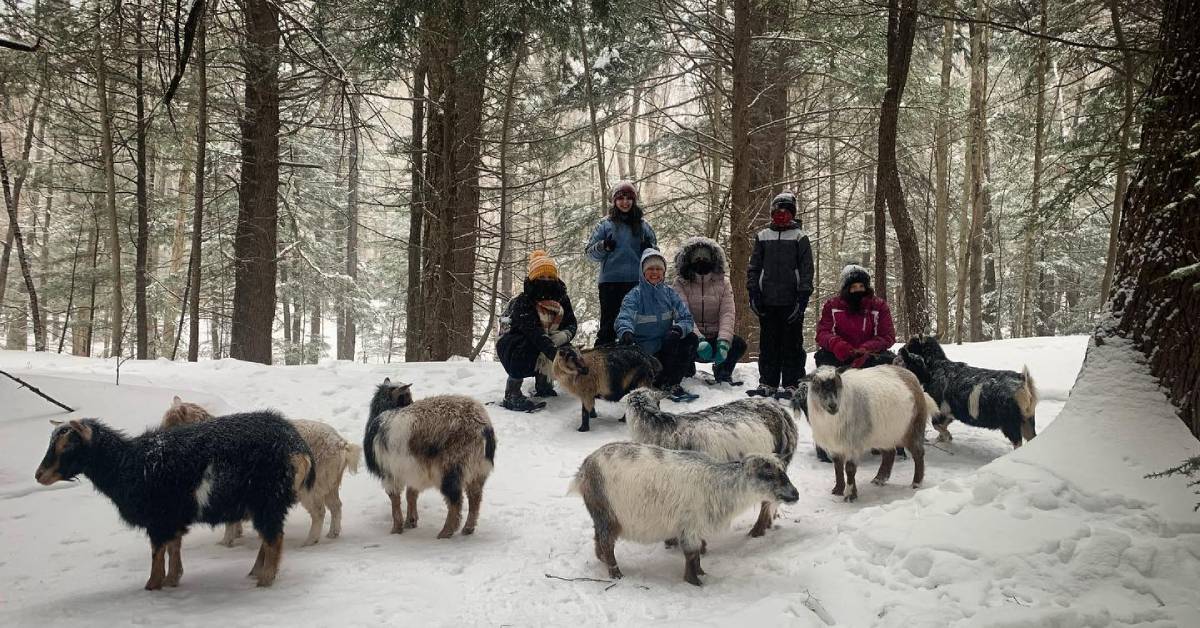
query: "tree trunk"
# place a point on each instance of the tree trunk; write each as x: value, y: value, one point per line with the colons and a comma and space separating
x: 39, y: 329
x: 414, y: 309
x: 1156, y: 296
x: 141, y: 322
x: 942, y: 184
x: 902, y: 21
x: 589, y: 95
x: 347, y: 343
x: 254, y: 248
x: 198, y: 183
x: 116, y: 317
x: 1129, y: 72
x: 1024, y: 323
x: 978, y: 95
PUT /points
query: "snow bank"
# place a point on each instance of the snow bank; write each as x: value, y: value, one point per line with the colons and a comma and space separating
x: 1063, y: 532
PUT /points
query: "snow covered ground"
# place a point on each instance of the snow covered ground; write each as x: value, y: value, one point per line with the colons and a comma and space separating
x: 1063, y: 532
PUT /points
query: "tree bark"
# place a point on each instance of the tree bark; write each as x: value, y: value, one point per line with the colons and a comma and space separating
x: 198, y: 183
x: 140, y: 282
x: 1156, y: 296
x: 1024, y: 323
x: 346, y: 343
x: 414, y: 310
x: 589, y: 95
x: 978, y: 96
x: 1128, y: 72
x: 902, y: 21
x: 39, y: 329
x: 116, y: 317
x: 942, y: 184
x: 254, y: 248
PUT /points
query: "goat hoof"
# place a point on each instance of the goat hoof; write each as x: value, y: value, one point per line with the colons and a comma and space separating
x: 615, y: 573
x: 756, y: 532
x: 468, y: 530
x: 266, y: 582
x: 583, y: 428
x: 916, y: 485
x: 172, y: 581
x: 693, y: 580
x: 411, y: 523
x: 879, y: 481
x: 308, y: 542
x: 445, y: 534
x: 838, y: 491
x: 850, y: 498
x: 397, y: 529
x: 333, y: 534
x: 153, y: 585
x: 224, y: 543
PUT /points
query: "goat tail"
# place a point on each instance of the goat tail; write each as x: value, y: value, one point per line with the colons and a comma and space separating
x: 305, y: 469
x: 489, y: 444
x: 352, y: 455
x: 1027, y: 395
x: 931, y: 408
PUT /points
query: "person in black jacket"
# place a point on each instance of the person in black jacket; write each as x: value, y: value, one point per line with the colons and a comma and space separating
x: 536, y: 322
x: 779, y: 280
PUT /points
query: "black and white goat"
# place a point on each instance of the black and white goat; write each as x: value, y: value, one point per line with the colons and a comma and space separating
x: 987, y: 398
x: 444, y: 441
x: 726, y: 432
x: 858, y: 410
x: 646, y: 494
x: 218, y: 471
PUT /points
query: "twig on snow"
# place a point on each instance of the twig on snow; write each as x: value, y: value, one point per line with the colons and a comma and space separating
x: 34, y: 390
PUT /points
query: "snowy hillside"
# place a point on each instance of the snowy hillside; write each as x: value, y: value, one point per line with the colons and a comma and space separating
x: 1065, y: 531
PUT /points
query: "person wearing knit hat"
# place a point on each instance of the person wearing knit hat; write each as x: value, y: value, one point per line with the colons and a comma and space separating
x: 779, y: 279
x: 534, y: 324
x: 655, y: 318
x: 617, y: 244
x: 856, y: 329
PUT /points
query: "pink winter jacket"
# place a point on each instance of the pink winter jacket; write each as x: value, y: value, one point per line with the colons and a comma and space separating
x: 710, y: 298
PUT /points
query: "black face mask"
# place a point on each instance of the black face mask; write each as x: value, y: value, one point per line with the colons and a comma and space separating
x: 855, y: 299
x: 702, y: 266
x: 542, y: 289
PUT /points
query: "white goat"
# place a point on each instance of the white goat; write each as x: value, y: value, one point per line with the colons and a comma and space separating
x: 646, y: 494
x: 862, y: 409
x: 725, y: 432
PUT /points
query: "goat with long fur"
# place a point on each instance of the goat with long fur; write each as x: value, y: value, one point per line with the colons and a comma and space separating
x: 445, y: 441
x: 607, y: 372
x: 645, y: 493
x: 858, y: 410
x: 988, y: 398
x: 726, y: 432
x: 332, y: 455
x: 217, y: 471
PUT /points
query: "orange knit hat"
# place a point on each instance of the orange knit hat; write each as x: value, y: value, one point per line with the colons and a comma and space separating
x: 542, y: 266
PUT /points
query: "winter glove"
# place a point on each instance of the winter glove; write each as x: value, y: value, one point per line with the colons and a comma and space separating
x: 797, y: 312
x: 860, y: 360
x: 841, y: 350
x: 704, y: 351
x: 560, y: 337
x: 674, y: 335
x: 627, y: 338
x: 722, y: 351
x: 609, y: 243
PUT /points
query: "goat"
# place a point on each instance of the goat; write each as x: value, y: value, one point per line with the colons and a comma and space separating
x: 726, y: 432
x: 216, y: 471
x: 605, y: 372
x: 987, y: 398
x: 445, y: 441
x: 646, y: 493
x: 332, y: 455
x: 862, y: 409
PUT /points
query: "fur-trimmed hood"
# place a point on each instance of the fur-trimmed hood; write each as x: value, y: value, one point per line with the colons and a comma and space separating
x: 683, y: 258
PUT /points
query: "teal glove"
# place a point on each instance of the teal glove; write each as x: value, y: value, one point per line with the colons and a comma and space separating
x: 722, y: 351
x: 704, y: 351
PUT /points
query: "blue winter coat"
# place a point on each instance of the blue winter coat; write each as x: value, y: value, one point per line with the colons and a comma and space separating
x: 622, y: 264
x: 650, y: 311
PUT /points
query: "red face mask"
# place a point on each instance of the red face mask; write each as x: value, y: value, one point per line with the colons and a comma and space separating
x: 781, y: 218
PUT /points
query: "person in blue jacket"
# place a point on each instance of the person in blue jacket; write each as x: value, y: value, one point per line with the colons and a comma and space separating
x: 655, y: 318
x: 617, y: 243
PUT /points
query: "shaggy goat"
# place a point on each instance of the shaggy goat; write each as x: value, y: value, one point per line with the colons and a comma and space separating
x: 605, y: 372
x: 218, y: 471
x: 726, y: 432
x: 645, y: 493
x: 987, y: 398
x: 445, y: 441
x: 332, y: 455
x: 882, y: 407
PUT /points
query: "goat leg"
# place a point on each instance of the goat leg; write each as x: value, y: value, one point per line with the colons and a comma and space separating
x: 157, y: 569
x: 764, y: 520
x: 271, y: 556
x: 474, y: 500
x: 851, y: 485
x: 692, y: 570
x: 452, y: 491
x: 885, y: 467
x: 397, y: 512
x: 839, y: 479
x: 175, y: 562
x: 585, y: 425
x: 316, y: 513
x: 410, y: 495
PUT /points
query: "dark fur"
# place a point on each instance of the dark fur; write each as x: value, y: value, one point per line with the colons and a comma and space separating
x: 950, y: 384
x: 389, y: 397
x: 153, y: 478
x: 608, y: 372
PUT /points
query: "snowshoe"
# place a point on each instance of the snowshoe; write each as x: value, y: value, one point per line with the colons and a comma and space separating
x: 786, y: 393
x: 679, y: 395
x: 522, y: 404
x: 762, y: 391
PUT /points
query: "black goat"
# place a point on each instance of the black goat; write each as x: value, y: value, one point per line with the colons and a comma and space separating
x: 218, y: 471
x: 987, y: 398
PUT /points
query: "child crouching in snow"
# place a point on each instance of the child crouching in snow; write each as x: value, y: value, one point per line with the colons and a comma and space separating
x: 535, y: 324
x: 657, y: 320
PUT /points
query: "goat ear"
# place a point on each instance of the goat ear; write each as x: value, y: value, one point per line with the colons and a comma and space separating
x: 404, y: 387
x: 387, y: 380
x: 176, y: 400
x: 84, y: 431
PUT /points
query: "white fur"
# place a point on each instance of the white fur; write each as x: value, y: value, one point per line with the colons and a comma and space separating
x: 400, y: 466
x: 332, y: 455
x: 875, y: 411
x: 726, y: 432
x: 973, y: 400
x: 204, y: 490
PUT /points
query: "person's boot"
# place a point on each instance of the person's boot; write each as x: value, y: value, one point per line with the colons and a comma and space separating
x: 763, y: 390
x: 514, y: 399
x: 543, y: 386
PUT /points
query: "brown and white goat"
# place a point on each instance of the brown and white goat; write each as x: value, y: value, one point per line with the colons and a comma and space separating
x: 606, y: 372
x: 445, y: 441
x: 332, y: 454
x: 858, y: 410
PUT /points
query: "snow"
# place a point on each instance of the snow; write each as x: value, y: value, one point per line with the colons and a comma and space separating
x: 1065, y: 531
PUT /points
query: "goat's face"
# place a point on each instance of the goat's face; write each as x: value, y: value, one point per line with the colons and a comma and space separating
x: 826, y: 388
x: 389, y: 396
x: 768, y: 473
x: 926, y: 347
x: 570, y: 361
x: 641, y: 399
x: 914, y: 363
x: 70, y: 445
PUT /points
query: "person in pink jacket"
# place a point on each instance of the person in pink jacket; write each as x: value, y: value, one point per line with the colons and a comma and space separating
x: 856, y: 327
x: 700, y: 279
